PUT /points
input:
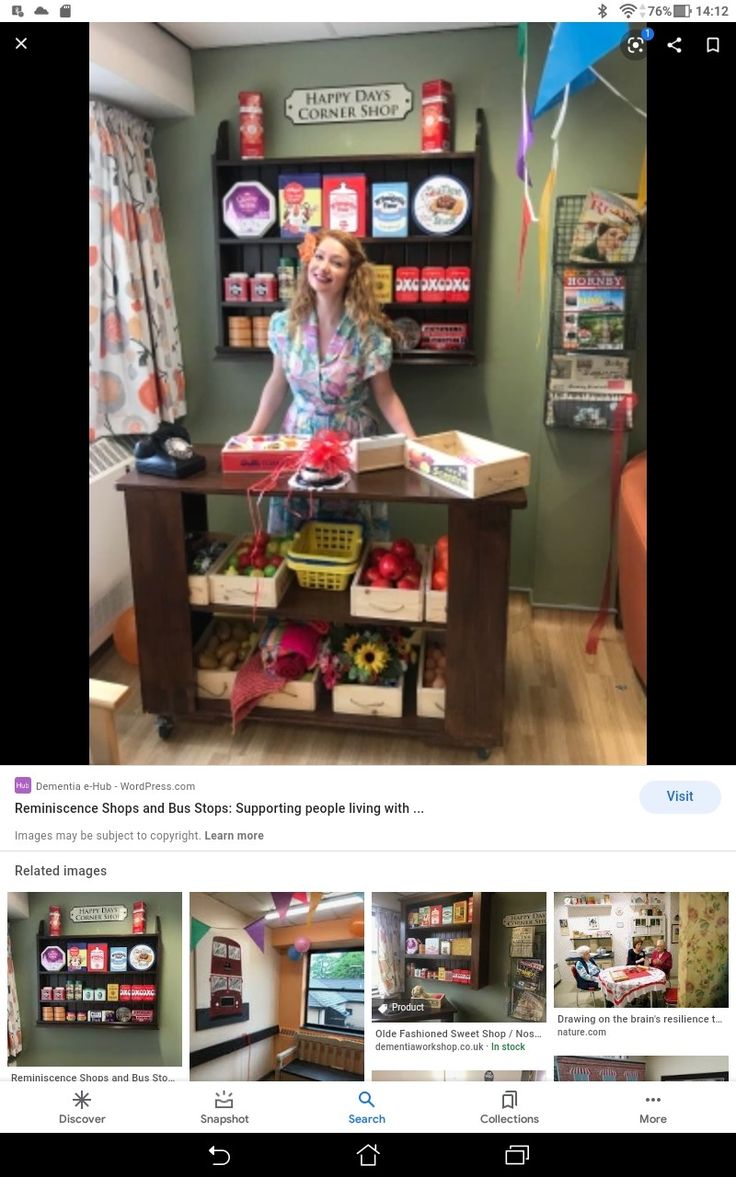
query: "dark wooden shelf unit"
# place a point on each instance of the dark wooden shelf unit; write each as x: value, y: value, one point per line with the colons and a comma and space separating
x: 261, y: 254
x: 478, y: 931
x: 98, y: 979
x: 160, y: 511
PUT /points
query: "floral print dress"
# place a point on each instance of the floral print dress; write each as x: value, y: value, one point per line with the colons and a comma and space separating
x: 329, y: 393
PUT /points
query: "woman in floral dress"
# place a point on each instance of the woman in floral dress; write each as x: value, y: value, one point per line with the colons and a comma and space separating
x: 331, y: 349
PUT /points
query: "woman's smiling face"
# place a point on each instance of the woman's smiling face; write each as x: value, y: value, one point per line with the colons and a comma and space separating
x: 329, y: 268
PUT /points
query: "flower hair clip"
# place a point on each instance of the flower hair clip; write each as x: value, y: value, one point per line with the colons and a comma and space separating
x: 307, y: 248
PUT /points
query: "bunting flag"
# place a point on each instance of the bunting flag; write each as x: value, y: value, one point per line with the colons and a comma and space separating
x: 526, y: 138
x: 198, y: 930
x: 257, y: 932
x: 527, y: 216
x: 641, y: 196
x: 281, y: 901
x: 315, y: 898
x: 545, y: 212
x: 575, y: 46
x: 300, y: 896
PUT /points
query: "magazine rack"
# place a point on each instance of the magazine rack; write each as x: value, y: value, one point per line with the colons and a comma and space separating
x: 521, y: 984
x: 575, y: 408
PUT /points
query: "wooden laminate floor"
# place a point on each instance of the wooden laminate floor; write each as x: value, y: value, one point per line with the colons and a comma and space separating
x: 563, y: 706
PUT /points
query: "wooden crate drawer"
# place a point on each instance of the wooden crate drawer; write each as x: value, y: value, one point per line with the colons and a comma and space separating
x: 435, y: 604
x: 430, y: 700
x: 260, y: 592
x: 470, y: 465
x: 357, y: 699
x: 218, y: 683
x: 199, y: 582
x: 298, y: 695
x: 388, y: 604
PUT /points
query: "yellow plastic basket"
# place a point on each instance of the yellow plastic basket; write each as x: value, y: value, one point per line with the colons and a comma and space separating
x: 326, y: 555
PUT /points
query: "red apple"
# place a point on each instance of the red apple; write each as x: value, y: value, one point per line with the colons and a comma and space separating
x: 439, y: 580
x: 413, y: 568
x: 276, y: 560
x: 408, y: 582
x: 259, y: 560
x: 382, y: 582
x: 403, y: 548
x: 376, y: 555
x: 390, y: 566
x: 372, y: 574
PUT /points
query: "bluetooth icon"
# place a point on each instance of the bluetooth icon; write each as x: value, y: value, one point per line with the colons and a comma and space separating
x: 602, y: 11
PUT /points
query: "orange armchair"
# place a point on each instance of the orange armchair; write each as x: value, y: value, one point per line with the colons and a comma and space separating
x: 632, y: 561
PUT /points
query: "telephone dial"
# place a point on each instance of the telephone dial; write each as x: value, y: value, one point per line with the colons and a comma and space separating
x: 168, y: 452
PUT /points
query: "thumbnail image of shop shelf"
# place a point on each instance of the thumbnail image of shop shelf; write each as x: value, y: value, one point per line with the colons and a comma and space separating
x: 109, y: 980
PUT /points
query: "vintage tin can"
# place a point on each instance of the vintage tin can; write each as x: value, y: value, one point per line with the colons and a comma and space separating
x: 432, y: 284
x: 139, y: 907
x: 252, y: 140
x: 264, y: 288
x: 407, y: 284
x: 236, y: 290
x: 437, y: 116
x: 457, y: 284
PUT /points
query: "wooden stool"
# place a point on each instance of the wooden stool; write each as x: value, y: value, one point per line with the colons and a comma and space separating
x: 104, y: 700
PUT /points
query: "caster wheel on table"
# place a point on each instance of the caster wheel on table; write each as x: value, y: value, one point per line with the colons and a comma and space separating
x: 164, y: 726
x: 483, y: 753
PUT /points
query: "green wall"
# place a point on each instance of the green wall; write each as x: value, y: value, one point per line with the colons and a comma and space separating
x: 560, y: 541
x: 90, y: 1045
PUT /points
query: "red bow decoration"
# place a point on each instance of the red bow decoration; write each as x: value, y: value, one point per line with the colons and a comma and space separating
x: 328, y: 451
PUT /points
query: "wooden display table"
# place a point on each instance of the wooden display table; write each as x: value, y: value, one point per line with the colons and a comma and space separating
x: 160, y: 511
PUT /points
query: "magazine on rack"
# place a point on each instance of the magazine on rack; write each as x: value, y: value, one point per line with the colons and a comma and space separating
x: 584, y: 391
x: 608, y: 229
x: 528, y: 1007
x: 593, y: 310
x: 529, y: 974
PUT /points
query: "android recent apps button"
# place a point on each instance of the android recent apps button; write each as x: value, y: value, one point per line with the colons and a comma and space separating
x: 680, y: 796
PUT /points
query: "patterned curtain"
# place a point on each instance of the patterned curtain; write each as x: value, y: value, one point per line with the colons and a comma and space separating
x: 136, y: 373
x: 702, y: 972
x: 15, y: 1036
x: 388, y: 926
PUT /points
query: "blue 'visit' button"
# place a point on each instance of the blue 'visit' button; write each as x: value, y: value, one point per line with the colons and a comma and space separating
x: 680, y: 796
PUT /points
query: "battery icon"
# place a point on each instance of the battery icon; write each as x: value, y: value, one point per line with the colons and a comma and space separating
x: 681, y: 10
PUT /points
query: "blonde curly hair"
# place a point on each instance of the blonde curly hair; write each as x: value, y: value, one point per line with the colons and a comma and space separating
x: 360, y: 298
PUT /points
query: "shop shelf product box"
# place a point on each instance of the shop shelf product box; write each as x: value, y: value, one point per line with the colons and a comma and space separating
x: 360, y: 699
x: 379, y: 452
x: 430, y: 700
x: 258, y: 592
x: 469, y: 465
x: 199, y: 583
x: 388, y: 604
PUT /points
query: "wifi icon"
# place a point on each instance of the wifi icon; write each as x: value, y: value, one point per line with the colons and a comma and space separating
x: 628, y: 10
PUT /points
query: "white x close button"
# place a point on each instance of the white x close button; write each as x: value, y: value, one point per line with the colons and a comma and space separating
x: 20, y: 42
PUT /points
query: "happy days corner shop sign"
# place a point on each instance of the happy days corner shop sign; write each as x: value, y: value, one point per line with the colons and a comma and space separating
x: 375, y: 102
x: 98, y: 915
x: 531, y: 918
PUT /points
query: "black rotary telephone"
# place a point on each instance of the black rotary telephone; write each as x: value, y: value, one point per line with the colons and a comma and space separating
x: 168, y: 453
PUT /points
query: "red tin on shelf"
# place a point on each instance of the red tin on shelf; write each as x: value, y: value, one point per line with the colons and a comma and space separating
x: 432, y: 284
x: 444, y: 336
x: 252, y: 141
x: 406, y: 288
x: 457, y: 284
x: 437, y: 115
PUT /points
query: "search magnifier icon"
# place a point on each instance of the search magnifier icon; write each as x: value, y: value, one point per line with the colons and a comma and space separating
x: 365, y: 1097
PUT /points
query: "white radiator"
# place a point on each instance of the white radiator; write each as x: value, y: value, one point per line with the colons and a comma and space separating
x: 110, y: 591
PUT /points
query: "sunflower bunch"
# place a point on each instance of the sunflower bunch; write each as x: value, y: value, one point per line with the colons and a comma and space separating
x: 368, y: 656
